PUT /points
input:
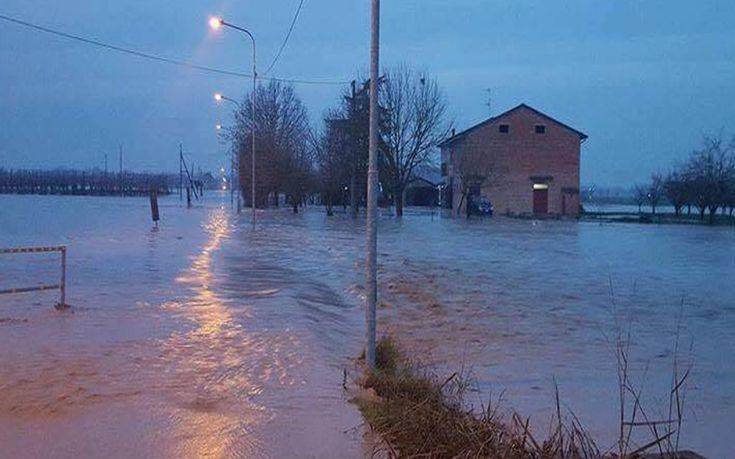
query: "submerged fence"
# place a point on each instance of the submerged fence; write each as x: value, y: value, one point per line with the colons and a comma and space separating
x: 61, y: 286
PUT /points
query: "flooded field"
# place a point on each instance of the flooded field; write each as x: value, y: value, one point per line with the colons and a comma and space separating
x: 209, y: 336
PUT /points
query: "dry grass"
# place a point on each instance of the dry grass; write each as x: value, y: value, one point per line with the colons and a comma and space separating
x: 419, y: 415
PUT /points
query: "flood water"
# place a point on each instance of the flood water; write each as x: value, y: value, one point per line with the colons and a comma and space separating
x: 208, y: 336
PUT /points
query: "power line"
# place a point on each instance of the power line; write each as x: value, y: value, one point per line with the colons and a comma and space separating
x: 288, y: 35
x: 153, y: 57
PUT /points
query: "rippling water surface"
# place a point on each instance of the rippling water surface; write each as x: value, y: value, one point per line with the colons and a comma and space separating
x: 209, y: 336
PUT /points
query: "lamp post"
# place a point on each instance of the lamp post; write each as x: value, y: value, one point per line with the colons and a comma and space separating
x: 371, y: 262
x: 219, y: 97
x: 216, y: 23
x: 231, y: 183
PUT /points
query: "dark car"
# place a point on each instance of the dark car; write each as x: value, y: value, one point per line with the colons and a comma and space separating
x: 480, y: 205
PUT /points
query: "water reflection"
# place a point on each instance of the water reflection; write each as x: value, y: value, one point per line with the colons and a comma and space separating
x: 221, y: 363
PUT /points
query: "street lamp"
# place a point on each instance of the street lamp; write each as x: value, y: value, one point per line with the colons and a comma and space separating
x: 219, y: 97
x: 217, y: 23
x: 219, y: 129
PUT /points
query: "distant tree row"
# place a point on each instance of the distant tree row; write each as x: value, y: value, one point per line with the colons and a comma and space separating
x: 705, y: 181
x: 329, y: 162
x: 83, y: 182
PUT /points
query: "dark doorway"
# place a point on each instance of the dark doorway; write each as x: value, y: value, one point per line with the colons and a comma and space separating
x: 540, y: 199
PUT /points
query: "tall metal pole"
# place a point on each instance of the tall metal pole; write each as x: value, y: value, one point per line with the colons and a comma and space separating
x: 122, y: 193
x: 371, y: 275
x: 252, y: 155
x: 181, y: 172
x: 217, y: 23
x: 353, y: 172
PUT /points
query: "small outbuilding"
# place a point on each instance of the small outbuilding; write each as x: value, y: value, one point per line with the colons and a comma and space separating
x: 425, y: 187
x: 524, y: 161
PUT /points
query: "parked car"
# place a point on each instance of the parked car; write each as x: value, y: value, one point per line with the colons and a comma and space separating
x: 480, y: 205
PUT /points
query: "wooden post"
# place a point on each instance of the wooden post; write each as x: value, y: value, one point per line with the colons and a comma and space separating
x: 154, y: 206
x: 188, y: 196
x: 62, y: 282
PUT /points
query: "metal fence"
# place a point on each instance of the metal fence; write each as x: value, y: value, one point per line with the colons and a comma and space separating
x: 61, y: 286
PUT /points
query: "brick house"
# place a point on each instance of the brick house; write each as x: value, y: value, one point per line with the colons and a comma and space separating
x: 524, y: 161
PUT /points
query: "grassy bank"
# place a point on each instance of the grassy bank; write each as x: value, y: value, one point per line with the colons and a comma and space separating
x: 420, y: 415
x: 659, y: 218
x: 417, y: 414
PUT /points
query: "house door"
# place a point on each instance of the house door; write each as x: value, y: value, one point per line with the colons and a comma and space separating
x: 540, y: 199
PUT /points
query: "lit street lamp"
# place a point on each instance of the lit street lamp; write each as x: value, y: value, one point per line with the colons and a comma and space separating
x: 219, y: 97
x: 233, y: 163
x: 217, y: 23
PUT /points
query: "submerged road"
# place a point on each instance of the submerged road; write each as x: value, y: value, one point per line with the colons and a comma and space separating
x: 192, y: 340
x: 211, y: 337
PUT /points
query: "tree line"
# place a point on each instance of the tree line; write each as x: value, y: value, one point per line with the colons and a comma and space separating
x: 84, y: 182
x: 705, y: 181
x: 328, y: 163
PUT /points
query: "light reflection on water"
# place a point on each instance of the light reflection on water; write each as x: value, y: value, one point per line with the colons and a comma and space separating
x: 166, y: 336
x: 225, y: 339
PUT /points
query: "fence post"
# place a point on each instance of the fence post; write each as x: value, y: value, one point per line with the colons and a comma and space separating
x: 154, y: 206
x: 62, y: 283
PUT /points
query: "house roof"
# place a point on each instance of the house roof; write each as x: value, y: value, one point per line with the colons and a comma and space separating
x: 428, y: 173
x: 464, y: 133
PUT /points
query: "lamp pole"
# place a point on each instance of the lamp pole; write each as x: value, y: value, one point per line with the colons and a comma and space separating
x: 371, y: 265
x: 231, y: 183
x: 216, y: 23
x: 219, y: 97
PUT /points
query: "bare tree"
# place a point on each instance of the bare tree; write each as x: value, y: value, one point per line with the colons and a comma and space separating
x: 708, y: 172
x: 729, y: 201
x: 675, y: 191
x: 333, y: 166
x: 640, y: 193
x: 414, y: 116
x: 282, y: 131
x: 655, y: 191
x: 300, y: 176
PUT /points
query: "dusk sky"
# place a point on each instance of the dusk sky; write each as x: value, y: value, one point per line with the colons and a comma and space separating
x: 644, y: 79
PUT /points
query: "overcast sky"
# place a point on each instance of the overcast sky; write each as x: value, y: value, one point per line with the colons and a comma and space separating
x: 644, y: 79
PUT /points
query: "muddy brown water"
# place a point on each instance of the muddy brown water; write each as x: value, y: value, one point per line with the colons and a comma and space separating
x: 211, y: 337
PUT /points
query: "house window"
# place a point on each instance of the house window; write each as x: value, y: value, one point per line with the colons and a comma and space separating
x: 540, y: 129
x: 444, y: 169
x: 504, y: 128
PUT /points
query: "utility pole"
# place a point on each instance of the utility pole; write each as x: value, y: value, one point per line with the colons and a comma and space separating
x: 371, y: 265
x: 252, y: 153
x: 121, y: 171
x: 181, y: 172
x: 489, y: 103
x: 353, y: 176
